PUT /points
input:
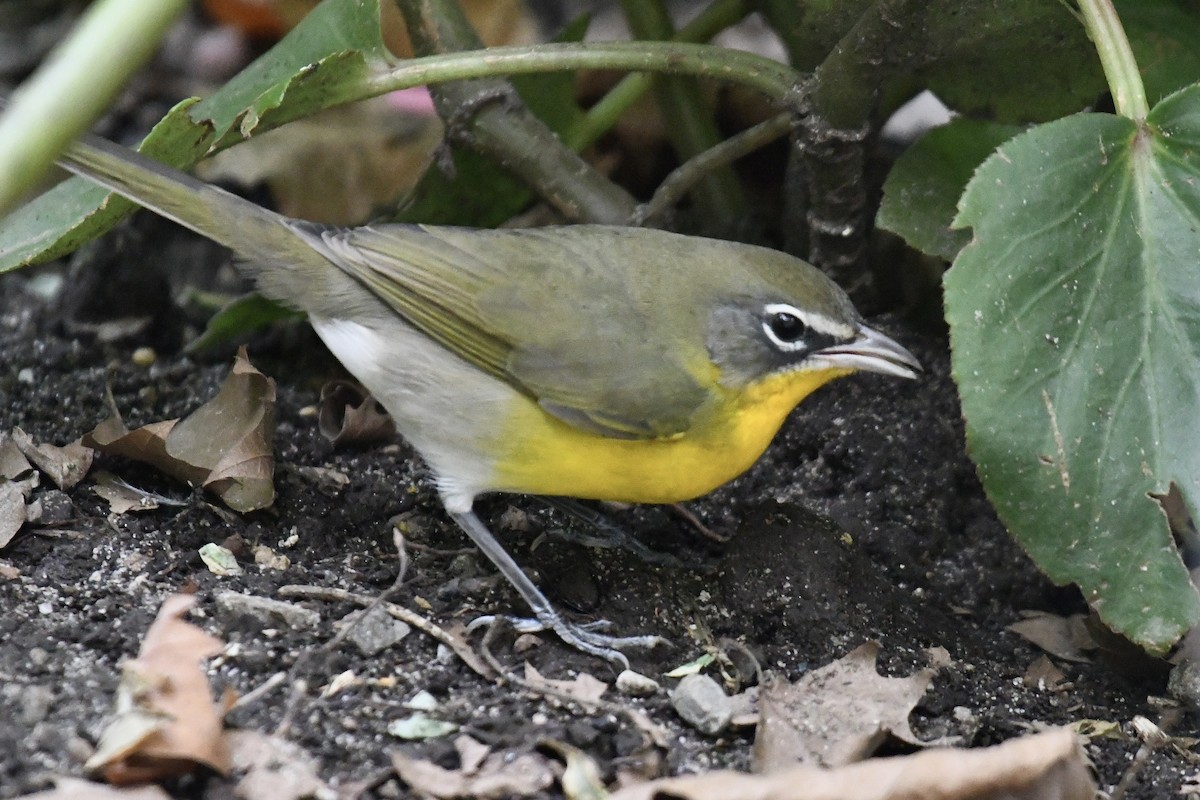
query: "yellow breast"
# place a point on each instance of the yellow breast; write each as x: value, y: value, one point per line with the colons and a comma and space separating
x: 543, y: 455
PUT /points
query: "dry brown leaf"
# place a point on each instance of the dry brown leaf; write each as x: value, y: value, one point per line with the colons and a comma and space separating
x: 12, y: 510
x: 123, y: 498
x: 274, y: 769
x: 495, y: 775
x: 66, y: 465
x: 835, y: 715
x: 337, y: 167
x: 581, y: 777
x: 1067, y: 638
x: 1046, y: 766
x: 13, y: 463
x: 349, y: 415
x: 584, y: 687
x: 76, y: 789
x: 166, y: 722
x: 1045, y: 675
x: 225, y: 445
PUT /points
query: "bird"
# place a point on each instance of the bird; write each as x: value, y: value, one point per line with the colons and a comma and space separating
x: 596, y: 362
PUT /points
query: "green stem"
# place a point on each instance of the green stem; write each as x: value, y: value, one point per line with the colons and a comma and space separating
x: 774, y: 80
x: 600, y: 118
x: 682, y: 178
x: 689, y: 121
x: 75, y: 85
x: 1116, y: 56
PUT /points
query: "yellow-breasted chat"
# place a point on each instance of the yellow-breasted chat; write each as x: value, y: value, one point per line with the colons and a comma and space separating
x: 590, y: 361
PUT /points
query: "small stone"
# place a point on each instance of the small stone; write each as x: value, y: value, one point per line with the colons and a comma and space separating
x: 57, y: 507
x: 35, y: 704
x: 144, y: 356
x: 1184, y: 684
x: 268, y: 611
x: 526, y: 642
x: 422, y: 701
x: 635, y: 684
x: 702, y: 703
x: 375, y: 631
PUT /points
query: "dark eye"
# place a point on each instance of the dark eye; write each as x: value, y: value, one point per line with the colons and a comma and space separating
x: 787, y: 327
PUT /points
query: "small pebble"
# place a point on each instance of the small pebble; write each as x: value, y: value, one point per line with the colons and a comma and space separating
x: 144, y: 356
x: 635, y: 684
x: 702, y: 703
x: 376, y: 631
x: 1184, y: 684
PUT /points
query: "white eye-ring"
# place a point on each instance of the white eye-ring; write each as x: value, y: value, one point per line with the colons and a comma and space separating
x: 786, y: 326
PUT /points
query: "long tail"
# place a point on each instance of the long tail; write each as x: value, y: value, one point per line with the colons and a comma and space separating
x: 251, y: 231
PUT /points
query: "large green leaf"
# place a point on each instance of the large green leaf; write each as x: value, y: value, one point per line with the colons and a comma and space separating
x: 1075, y: 323
x: 325, y: 60
x: 920, y: 195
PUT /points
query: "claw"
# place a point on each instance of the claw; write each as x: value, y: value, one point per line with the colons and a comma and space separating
x: 585, y: 638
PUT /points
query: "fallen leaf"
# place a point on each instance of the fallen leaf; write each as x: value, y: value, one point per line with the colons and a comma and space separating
x: 166, y: 722
x: 122, y: 498
x: 274, y: 769
x: 583, y: 687
x: 76, y: 789
x: 1067, y: 638
x: 692, y: 667
x: 581, y: 778
x: 12, y: 510
x: 420, y: 726
x: 837, y: 714
x: 224, y: 446
x: 220, y: 560
x: 66, y: 465
x: 13, y: 463
x: 497, y: 775
x: 348, y: 415
x: 1098, y: 729
x: 1044, y: 675
x: 1046, y: 766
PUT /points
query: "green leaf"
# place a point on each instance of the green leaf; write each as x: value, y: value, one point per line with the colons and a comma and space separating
x: 73, y: 86
x: 920, y: 195
x: 247, y: 313
x: 325, y: 60
x: 1075, y: 324
x: 77, y: 210
x: 1018, y: 61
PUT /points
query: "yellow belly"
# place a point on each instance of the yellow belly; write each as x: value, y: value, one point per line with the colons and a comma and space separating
x: 544, y: 455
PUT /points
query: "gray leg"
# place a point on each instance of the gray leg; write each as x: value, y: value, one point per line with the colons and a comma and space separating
x: 578, y: 636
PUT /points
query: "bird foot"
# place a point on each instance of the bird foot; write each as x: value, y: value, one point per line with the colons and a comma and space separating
x: 586, y: 637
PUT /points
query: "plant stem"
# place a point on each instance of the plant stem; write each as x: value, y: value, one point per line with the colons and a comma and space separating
x: 1116, y: 56
x: 75, y: 84
x: 687, y: 115
x: 601, y: 116
x: 489, y: 116
x: 676, y: 185
x: 774, y: 80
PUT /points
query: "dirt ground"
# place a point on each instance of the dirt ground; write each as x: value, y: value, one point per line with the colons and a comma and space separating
x: 864, y: 521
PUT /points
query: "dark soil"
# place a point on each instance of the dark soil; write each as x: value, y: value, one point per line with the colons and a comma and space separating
x: 864, y: 521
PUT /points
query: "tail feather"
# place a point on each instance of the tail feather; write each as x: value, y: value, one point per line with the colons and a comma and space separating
x: 282, y: 255
x: 251, y: 231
